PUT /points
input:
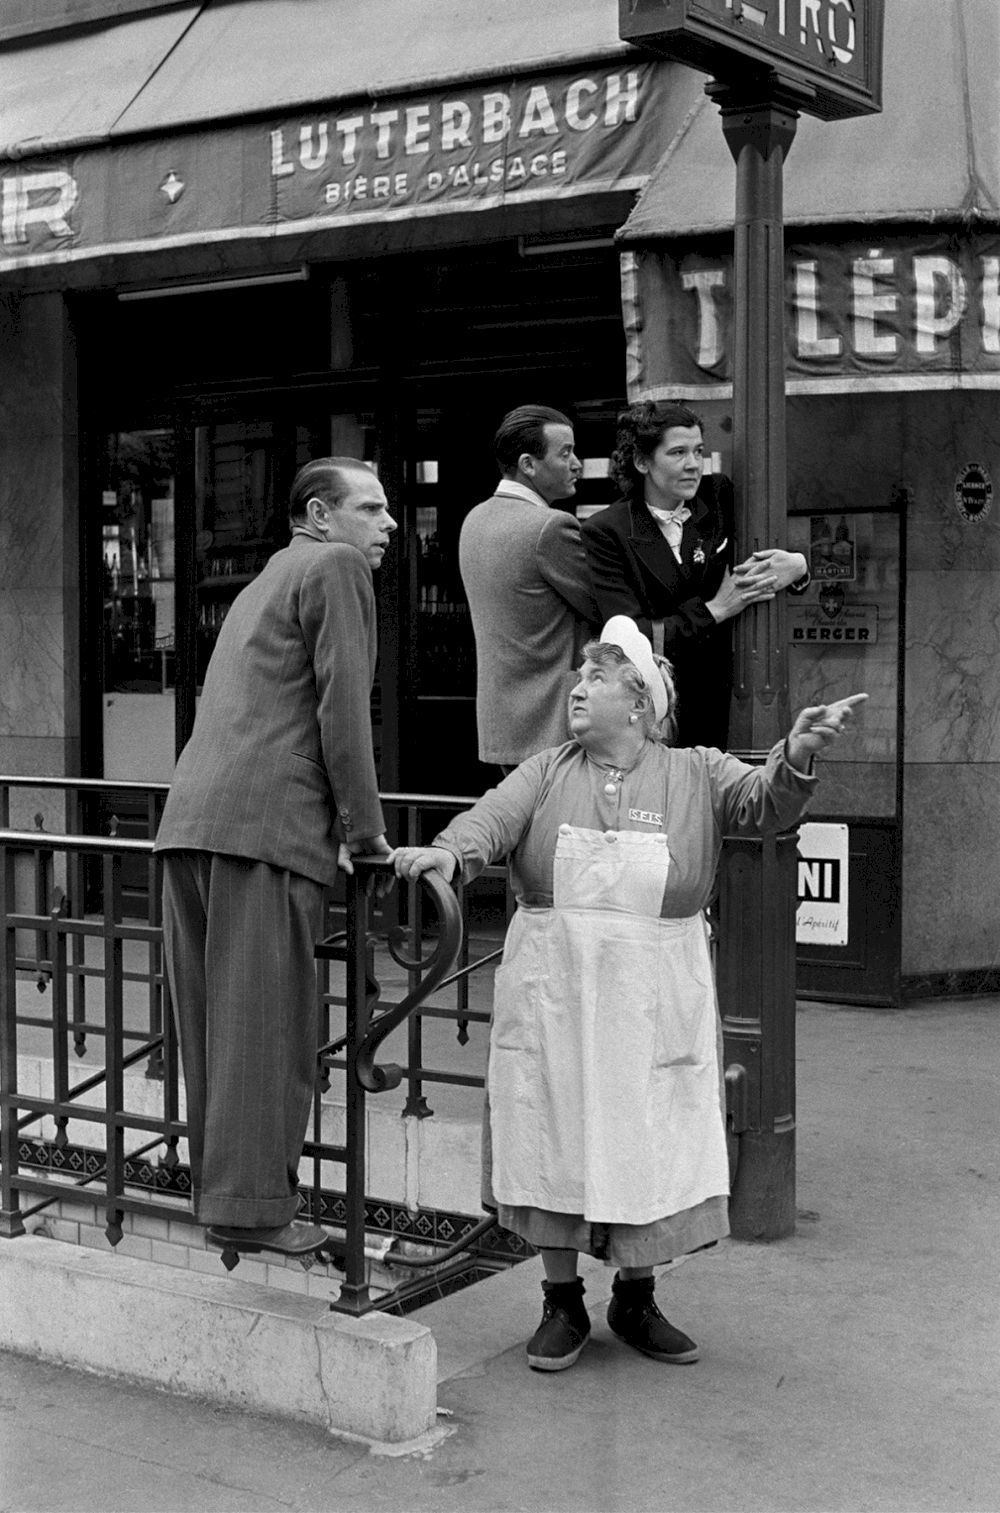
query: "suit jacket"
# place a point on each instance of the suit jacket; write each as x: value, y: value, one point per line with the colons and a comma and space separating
x: 280, y: 766
x: 532, y: 606
x: 635, y: 573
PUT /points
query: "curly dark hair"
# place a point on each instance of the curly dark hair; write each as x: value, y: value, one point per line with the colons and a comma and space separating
x: 641, y: 428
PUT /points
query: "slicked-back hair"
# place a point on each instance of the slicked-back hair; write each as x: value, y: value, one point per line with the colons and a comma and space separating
x: 641, y: 428
x: 326, y: 478
x: 523, y: 430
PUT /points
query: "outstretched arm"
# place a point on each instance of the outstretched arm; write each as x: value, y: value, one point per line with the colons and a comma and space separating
x: 483, y: 834
x: 758, y: 800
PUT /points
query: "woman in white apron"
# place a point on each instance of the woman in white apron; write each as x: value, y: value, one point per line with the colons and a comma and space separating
x: 605, y: 1105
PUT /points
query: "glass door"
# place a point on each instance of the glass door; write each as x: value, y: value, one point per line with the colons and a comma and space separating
x: 137, y: 523
x: 190, y: 514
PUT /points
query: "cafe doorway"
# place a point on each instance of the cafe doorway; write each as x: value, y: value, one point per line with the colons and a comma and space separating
x: 194, y: 504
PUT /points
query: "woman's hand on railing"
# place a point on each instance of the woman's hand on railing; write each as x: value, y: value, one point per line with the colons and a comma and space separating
x: 377, y: 1079
x: 411, y: 862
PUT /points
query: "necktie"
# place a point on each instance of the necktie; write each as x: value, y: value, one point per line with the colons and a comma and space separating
x: 671, y: 523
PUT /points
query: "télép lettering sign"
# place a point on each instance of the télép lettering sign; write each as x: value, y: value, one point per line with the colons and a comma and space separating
x: 854, y: 311
x: 830, y: 48
x: 821, y: 917
x: 597, y: 129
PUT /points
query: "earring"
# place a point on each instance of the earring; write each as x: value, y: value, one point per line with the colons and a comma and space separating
x: 632, y: 718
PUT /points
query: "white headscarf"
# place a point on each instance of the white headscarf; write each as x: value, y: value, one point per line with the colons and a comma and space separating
x: 622, y: 632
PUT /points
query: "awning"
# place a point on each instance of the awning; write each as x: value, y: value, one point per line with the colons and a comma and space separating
x: 933, y: 153
x: 247, y: 56
x: 269, y: 121
x: 76, y: 88
x: 496, y: 144
x: 220, y: 60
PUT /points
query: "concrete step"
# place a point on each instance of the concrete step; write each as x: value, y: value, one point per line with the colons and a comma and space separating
x: 233, y: 1343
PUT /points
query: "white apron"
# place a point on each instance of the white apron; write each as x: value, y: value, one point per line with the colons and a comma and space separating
x: 604, y: 1072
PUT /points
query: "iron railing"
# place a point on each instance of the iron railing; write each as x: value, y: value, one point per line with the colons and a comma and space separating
x: 90, y: 801
x: 52, y: 935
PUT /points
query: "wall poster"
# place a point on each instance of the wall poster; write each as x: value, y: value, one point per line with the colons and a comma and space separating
x: 821, y: 916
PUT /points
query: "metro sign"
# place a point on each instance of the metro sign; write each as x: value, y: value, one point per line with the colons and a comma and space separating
x: 830, y: 49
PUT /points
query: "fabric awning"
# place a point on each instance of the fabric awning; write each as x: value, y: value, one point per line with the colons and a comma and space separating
x: 597, y: 129
x: 221, y: 60
x: 76, y: 88
x: 253, y: 121
x: 280, y: 55
x: 933, y: 154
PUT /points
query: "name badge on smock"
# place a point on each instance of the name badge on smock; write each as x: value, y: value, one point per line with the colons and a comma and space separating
x: 645, y: 817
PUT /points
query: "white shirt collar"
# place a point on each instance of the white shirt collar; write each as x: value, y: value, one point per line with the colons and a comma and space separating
x: 511, y: 489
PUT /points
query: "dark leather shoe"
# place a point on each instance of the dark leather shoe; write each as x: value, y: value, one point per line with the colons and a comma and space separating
x: 565, y: 1327
x: 634, y: 1317
x: 295, y: 1239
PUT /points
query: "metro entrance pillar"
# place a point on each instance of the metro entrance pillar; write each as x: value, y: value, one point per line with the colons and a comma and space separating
x: 756, y: 961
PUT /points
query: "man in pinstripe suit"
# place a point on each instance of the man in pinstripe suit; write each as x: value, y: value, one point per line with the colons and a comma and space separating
x: 274, y: 790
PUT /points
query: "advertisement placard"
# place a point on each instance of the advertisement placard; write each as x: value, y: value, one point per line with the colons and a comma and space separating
x: 821, y: 916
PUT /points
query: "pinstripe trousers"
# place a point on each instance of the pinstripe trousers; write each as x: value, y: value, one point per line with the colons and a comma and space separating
x: 238, y: 939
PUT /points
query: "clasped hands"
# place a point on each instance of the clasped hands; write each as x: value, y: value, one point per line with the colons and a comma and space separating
x: 760, y: 577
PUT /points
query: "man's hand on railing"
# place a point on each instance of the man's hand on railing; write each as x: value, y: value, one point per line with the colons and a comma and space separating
x: 370, y: 845
x: 411, y: 861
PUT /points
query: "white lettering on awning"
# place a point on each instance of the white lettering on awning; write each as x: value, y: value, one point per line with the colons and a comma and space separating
x: 703, y: 281
x: 19, y: 212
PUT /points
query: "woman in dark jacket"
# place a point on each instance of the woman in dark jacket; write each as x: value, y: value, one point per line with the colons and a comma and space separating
x: 664, y: 555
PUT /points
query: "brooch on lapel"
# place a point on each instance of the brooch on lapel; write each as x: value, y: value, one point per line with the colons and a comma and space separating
x: 699, y: 554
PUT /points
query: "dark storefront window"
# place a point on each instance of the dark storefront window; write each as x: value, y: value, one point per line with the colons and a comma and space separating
x: 407, y: 364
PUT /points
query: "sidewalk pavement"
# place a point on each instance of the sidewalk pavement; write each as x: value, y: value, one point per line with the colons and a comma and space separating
x: 853, y: 1367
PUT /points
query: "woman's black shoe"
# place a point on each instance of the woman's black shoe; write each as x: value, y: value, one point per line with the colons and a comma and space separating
x: 634, y: 1317
x: 562, y: 1334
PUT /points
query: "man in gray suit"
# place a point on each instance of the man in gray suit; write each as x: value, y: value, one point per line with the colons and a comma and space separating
x: 274, y: 790
x: 526, y: 577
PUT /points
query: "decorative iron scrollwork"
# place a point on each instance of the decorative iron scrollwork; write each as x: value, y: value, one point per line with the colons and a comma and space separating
x: 379, y: 1079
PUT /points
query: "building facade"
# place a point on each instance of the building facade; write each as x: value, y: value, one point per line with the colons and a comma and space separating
x: 237, y: 235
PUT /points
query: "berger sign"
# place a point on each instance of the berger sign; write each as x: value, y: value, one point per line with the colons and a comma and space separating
x: 832, y: 49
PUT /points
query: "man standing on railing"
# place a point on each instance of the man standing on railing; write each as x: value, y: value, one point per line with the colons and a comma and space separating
x: 528, y: 585
x: 274, y: 790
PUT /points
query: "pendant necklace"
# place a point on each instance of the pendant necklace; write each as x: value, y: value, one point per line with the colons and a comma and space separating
x: 616, y: 775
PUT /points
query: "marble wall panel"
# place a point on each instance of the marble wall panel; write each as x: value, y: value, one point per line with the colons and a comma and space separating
x: 859, y: 789
x: 844, y: 451
x: 38, y: 442
x: 37, y: 756
x: 951, y: 867
x: 953, y: 667
x: 32, y: 678
x: 942, y: 433
x: 39, y: 529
